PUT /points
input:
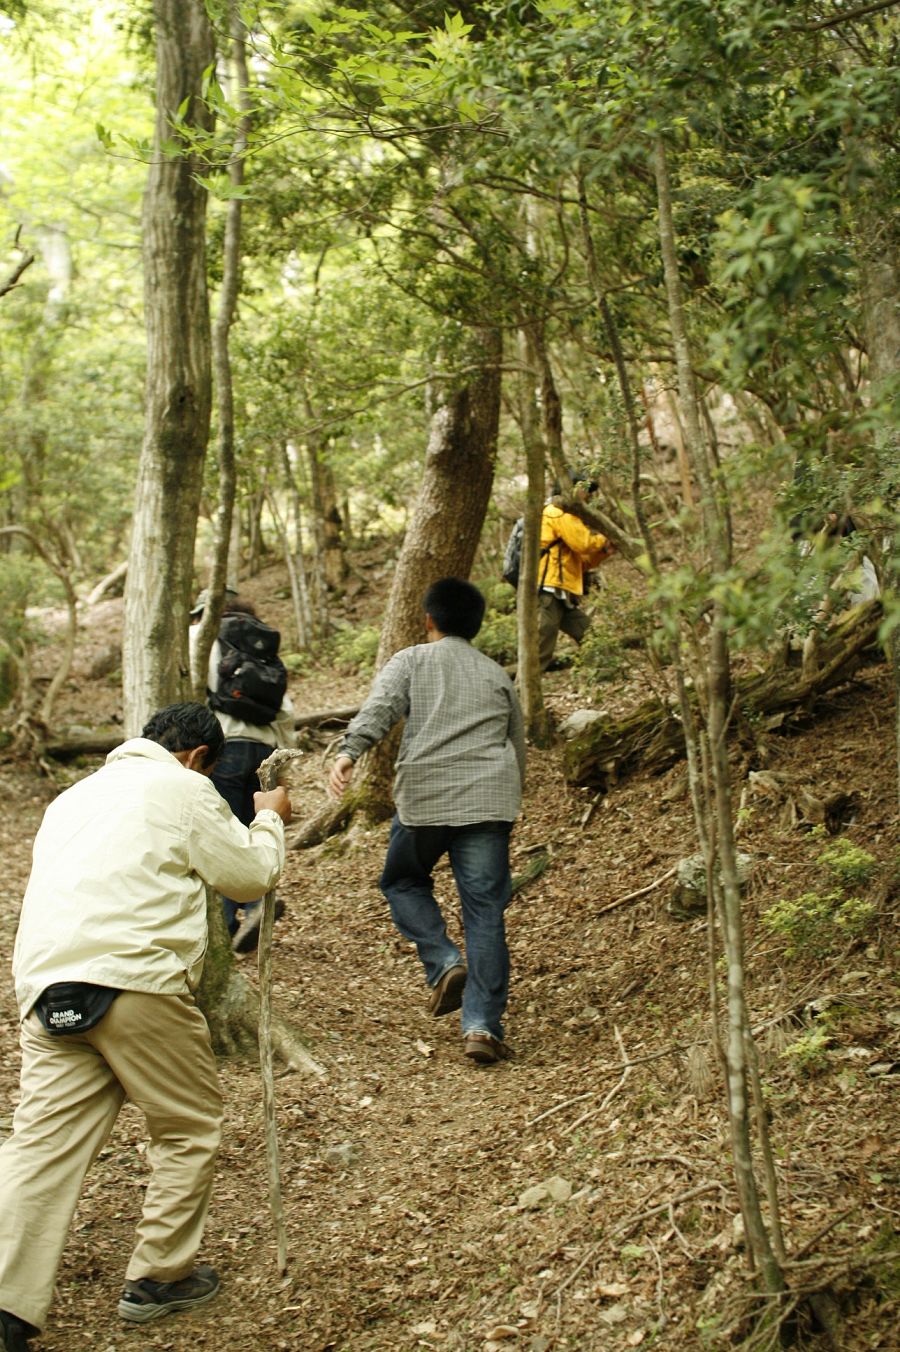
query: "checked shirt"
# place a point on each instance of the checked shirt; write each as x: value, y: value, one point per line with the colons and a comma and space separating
x: 462, y: 753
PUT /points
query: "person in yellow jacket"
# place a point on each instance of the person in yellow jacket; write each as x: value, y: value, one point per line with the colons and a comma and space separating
x: 568, y: 550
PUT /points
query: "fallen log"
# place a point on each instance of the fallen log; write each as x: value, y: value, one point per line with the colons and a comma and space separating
x: 100, y: 741
x: 326, y: 717
x: 650, y: 737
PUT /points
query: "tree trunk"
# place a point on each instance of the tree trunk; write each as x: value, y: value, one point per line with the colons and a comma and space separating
x: 444, y: 529
x: 631, y: 418
x: 167, y: 500
x: 880, y: 276
x: 528, y: 674
x: 231, y: 1005
x: 221, y: 356
x: 716, y: 830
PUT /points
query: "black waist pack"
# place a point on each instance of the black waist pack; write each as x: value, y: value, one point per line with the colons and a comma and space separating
x: 73, y: 1006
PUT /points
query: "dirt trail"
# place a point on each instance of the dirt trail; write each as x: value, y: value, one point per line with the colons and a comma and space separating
x: 564, y: 1200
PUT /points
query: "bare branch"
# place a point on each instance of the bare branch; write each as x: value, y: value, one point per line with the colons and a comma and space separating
x: 844, y: 16
x: 12, y: 280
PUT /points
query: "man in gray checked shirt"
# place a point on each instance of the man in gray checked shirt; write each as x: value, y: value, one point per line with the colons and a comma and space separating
x: 458, y: 790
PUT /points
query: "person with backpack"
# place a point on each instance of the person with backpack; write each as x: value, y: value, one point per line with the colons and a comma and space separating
x: 568, y: 549
x: 109, y: 950
x: 458, y: 790
x: 246, y: 685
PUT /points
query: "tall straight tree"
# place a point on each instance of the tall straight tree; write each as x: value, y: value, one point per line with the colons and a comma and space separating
x: 223, y: 566
x: 178, y: 385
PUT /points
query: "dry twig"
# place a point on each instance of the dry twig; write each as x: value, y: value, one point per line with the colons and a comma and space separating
x: 612, y: 1093
x: 641, y: 892
x: 268, y: 778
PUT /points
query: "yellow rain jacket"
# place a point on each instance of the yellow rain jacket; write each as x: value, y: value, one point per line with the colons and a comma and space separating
x: 573, y: 549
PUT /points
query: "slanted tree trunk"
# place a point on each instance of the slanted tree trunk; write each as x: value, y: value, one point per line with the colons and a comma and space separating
x: 651, y: 737
x: 178, y: 393
x: 443, y: 532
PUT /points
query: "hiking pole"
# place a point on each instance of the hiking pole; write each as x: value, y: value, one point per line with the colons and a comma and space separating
x: 268, y: 779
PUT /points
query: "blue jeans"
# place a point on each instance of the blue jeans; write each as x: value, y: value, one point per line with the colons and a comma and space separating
x: 236, y: 779
x: 479, y: 858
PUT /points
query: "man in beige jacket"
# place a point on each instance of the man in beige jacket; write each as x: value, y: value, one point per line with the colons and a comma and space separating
x: 110, y: 946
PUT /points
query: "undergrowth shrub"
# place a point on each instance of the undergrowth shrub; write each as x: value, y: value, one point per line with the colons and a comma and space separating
x: 808, y: 1054
x: 849, y: 865
x: 17, y: 579
x: 298, y: 664
x: 622, y: 623
x: 498, y: 595
x: 498, y: 637
x: 818, y: 923
x: 354, y: 648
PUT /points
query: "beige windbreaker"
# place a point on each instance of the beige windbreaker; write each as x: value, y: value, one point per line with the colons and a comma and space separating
x: 116, y: 894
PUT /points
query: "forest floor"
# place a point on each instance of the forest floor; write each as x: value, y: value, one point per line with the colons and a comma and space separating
x: 579, y: 1196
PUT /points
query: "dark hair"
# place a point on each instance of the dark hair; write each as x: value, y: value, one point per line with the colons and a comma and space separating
x: 457, y: 607
x: 578, y: 476
x: 239, y: 607
x: 183, y: 727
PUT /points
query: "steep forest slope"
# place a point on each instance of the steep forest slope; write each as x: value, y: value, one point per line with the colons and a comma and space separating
x: 580, y: 1196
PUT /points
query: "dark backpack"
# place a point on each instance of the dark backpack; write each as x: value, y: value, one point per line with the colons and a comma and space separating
x: 252, y: 677
x: 512, y: 558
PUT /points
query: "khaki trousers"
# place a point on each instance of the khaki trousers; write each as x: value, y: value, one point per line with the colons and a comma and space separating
x: 154, y: 1050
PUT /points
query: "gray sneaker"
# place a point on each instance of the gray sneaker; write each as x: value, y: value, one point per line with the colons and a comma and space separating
x: 146, y: 1299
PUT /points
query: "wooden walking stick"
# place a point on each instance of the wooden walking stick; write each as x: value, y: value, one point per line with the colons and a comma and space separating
x: 268, y: 778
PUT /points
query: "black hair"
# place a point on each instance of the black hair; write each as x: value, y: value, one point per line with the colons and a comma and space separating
x: 836, y: 524
x: 239, y: 607
x: 578, y: 476
x: 457, y: 607
x: 183, y: 727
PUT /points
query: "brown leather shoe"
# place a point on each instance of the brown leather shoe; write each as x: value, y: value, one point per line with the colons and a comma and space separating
x: 447, y: 994
x: 484, y: 1049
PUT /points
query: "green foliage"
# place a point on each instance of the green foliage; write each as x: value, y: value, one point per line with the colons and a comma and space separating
x: 72, y: 353
x: 818, y: 923
x: 782, y: 251
x: 808, y: 1054
x: 849, y: 865
x: 17, y: 582
x: 815, y: 924
x: 498, y: 595
x: 623, y: 621
x: 297, y: 663
x: 498, y: 636
x: 354, y: 649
